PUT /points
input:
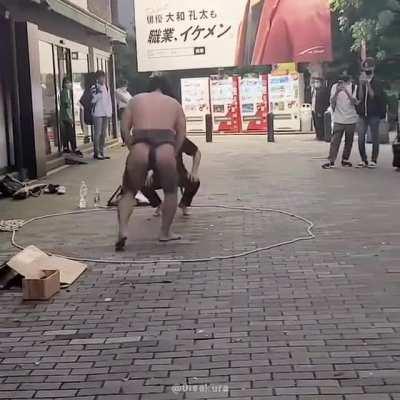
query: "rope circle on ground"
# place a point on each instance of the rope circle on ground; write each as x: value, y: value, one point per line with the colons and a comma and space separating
x: 310, y: 236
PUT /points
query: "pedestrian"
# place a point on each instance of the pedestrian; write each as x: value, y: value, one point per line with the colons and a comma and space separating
x: 123, y: 97
x: 320, y: 104
x: 372, y: 109
x: 189, y: 182
x: 343, y: 103
x: 67, y: 119
x: 101, y: 112
x: 159, y: 130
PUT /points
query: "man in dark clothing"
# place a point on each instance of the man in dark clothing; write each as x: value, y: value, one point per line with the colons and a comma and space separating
x: 320, y: 103
x: 188, y: 181
x: 372, y: 109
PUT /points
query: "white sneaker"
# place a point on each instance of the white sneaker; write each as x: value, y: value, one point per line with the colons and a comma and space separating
x: 372, y: 165
x: 362, y: 164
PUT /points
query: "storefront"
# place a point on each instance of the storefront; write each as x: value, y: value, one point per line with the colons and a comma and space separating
x: 58, y: 40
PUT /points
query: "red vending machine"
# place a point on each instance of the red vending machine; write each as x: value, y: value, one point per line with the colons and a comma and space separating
x: 253, y: 94
x: 224, y: 93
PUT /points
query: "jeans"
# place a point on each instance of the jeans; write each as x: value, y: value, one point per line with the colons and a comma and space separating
x: 318, y: 119
x: 373, y: 123
x: 338, y: 131
x: 99, y: 135
x: 68, y: 135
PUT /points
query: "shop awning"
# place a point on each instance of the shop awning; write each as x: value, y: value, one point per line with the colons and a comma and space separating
x: 85, y: 18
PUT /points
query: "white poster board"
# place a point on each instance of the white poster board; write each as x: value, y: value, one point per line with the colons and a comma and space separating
x: 176, y: 34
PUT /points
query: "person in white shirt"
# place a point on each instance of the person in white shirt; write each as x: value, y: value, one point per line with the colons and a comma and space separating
x: 123, y: 97
x: 101, y: 112
x: 345, y: 118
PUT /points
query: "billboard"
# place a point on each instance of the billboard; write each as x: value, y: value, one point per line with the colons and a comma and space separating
x: 190, y: 34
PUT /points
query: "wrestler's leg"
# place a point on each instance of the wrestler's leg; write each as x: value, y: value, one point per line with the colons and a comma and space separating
x: 166, y: 168
x: 134, y: 178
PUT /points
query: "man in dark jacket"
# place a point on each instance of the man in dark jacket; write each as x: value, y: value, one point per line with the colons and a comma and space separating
x: 320, y: 103
x: 372, y: 109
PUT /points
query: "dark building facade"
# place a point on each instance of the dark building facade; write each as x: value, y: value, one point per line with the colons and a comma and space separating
x: 42, y: 42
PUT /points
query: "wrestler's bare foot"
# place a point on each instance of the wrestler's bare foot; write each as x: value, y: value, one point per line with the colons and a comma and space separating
x: 185, y: 211
x: 157, y: 212
x: 169, y: 237
x: 120, y: 245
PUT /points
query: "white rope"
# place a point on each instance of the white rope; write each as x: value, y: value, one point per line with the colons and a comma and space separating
x: 310, y: 236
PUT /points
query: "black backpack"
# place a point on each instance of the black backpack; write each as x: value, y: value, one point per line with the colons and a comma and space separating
x: 86, y: 101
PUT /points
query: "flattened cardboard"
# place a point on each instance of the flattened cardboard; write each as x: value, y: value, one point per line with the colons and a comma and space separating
x: 31, y: 262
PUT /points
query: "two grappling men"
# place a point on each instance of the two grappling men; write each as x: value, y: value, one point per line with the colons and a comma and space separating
x: 159, y: 130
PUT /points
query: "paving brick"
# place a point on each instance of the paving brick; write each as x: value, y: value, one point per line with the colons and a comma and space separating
x: 48, y: 394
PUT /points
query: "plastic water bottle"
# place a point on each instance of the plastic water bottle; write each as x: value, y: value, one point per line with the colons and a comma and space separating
x: 97, y: 198
x: 83, y: 192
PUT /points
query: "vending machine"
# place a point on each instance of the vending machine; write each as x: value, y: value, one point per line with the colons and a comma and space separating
x: 286, y: 96
x: 225, y: 109
x: 253, y: 94
x: 196, y: 103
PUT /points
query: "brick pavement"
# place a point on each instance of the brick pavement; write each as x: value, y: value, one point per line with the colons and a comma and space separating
x: 315, y: 321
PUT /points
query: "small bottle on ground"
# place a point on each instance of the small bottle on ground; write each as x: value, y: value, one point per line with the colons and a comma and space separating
x: 83, y: 192
x: 97, y: 198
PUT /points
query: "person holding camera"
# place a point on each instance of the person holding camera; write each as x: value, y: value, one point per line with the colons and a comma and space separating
x: 343, y: 103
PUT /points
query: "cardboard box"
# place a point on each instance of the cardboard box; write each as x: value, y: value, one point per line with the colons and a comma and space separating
x: 41, y: 287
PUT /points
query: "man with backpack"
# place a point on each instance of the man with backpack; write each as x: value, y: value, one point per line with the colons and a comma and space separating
x: 343, y: 103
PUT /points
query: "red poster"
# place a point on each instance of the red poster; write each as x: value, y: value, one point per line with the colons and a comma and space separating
x: 280, y: 31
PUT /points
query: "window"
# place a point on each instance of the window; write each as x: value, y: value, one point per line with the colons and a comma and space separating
x: 80, y: 68
x: 49, y: 96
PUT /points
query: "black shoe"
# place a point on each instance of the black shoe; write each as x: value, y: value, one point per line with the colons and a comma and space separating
x: 346, y: 164
x: 120, y: 245
x: 67, y: 151
x: 105, y: 157
x: 78, y: 153
x: 328, y: 165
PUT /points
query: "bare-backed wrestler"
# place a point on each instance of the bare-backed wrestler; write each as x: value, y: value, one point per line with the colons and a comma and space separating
x: 158, y: 127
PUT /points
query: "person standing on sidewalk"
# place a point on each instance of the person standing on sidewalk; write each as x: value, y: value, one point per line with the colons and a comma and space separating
x: 320, y: 103
x: 67, y: 119
x: 101, y: 112
x: 123, y: 97
x: 343, y: 103
x: 372, y: 109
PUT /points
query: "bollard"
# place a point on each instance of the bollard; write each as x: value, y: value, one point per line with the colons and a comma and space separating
x: 271, y: 131
x: 209, y: 129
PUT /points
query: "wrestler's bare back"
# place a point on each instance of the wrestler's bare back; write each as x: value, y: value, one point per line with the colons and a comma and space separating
x: 155, y: 111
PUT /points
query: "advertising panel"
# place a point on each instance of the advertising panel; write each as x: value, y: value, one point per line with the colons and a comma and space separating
x: 225, y: 104
x: 254, y: 103
x: 176, y: 34
x: 196, y: 103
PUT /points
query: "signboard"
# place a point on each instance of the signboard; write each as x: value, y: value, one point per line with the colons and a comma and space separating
x: 254, y: 103
x: 225, y: 104
x: 176, y: 34
x: 196, y: 103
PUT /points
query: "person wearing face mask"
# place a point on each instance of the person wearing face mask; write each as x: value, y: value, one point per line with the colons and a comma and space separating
x: 320, y: 103
x: 343, y: 103
x: 67, y: 119
x: 372, y: 109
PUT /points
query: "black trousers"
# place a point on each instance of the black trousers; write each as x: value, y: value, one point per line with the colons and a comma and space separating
x: 189, y: 188
x: 68, y: 135
x: 318, y: 119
